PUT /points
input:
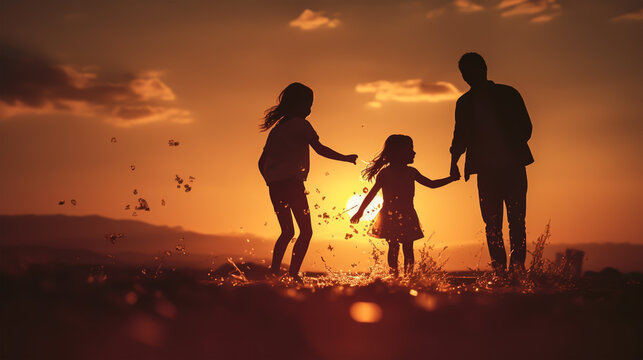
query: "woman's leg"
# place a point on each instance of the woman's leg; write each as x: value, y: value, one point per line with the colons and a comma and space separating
x: 393, y: 251
x: 282, y: 209
x: 302, y: 215
x: 409, y: 257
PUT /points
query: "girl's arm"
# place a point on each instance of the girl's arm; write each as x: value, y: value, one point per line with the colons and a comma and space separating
x: 369, y: 197
x: 434, y: 183
x: 329, y: 153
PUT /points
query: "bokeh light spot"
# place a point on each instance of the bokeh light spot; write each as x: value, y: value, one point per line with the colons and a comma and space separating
x: 366, y: 312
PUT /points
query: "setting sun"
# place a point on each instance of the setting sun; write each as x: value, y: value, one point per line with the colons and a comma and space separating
x: 371, y: 211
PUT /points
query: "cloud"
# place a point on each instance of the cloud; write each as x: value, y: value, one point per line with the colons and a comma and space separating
x: 435, y: 13
x: 540, y: 10
x: 467, y: 6
x: 461, y: 6
x: 34, y: 85
x: 632, y: 16
x: 310, y: 20
x: 408, y: 91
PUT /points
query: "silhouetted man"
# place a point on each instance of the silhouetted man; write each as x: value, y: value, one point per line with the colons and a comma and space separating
x: 492, y: 126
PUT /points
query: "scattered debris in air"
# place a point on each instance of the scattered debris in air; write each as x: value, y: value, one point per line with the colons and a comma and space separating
x: 61, y: 202
x: 142, y: 205
x: 135, y: 192
x: 112, y: 237
x: 173, y: 142
x: 73, y: 202
x: 162, y: 202
x: 113, y: 140
x: 132, y: 167
x: 180, y: 247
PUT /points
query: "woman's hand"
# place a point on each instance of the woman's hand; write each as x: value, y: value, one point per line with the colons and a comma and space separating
x: 351, y: 158
x: 355, y: 219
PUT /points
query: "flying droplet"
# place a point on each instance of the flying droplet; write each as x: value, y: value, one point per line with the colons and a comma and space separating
x: 142, y: 205
x: 73, y: 202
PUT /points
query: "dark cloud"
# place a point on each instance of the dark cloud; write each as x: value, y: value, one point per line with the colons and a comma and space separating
x: 310, y: 20
x: 539, y: 10
x: 414, y: 90
x: 32, y: 84
x: 631, y: 16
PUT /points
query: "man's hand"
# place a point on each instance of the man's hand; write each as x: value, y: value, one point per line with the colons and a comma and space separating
x: 351, y: 158
x: 355, y: 219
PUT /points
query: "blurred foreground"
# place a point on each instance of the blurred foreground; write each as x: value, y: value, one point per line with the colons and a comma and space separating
x: 115, y: 312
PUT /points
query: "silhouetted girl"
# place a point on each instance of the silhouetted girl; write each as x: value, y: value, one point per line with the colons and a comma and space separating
x: 397, y: 221
x: 284, y: 166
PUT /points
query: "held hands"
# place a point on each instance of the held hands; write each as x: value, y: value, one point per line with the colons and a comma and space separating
x: 351, y: 158
x: 356, y: 217
x: 455, y: 172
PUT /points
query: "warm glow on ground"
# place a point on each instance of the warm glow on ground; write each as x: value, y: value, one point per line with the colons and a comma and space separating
x: 366, y: 312
x: 371, y: 211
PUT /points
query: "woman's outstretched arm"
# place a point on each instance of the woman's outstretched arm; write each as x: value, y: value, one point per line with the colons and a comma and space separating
x: 434, y: 183
x: 329, y: 153
x: 367, y: 200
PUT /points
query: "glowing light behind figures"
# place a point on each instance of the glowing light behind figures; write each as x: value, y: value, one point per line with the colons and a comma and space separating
x: 371, y: 210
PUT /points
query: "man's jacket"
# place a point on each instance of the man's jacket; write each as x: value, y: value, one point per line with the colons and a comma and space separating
x: 510, y: 132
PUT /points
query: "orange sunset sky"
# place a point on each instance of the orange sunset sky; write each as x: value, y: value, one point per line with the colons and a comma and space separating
x: 74, y: 74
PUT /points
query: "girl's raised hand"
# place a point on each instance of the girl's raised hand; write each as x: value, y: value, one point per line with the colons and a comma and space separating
x: 355, y: 219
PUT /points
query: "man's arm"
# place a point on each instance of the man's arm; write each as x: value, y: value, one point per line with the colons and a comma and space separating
x: 458, y: 144
x: 329, y: 153
x: 522, y: 121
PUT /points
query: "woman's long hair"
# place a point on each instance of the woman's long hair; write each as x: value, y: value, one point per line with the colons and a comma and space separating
x: 392, y: 147
x: 295, y: 99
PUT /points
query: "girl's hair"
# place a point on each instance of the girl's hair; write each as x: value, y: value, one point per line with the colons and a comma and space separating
x: 293, y: 100
x: 392, y: 146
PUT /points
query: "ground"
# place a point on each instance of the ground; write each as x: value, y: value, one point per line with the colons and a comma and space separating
x: 89, y: 312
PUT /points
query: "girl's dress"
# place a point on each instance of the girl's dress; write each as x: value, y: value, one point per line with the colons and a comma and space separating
x: 397, y: 220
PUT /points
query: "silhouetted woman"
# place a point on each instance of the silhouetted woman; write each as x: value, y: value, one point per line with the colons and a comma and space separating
x: 284, y: 165
x: 397, y: 221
